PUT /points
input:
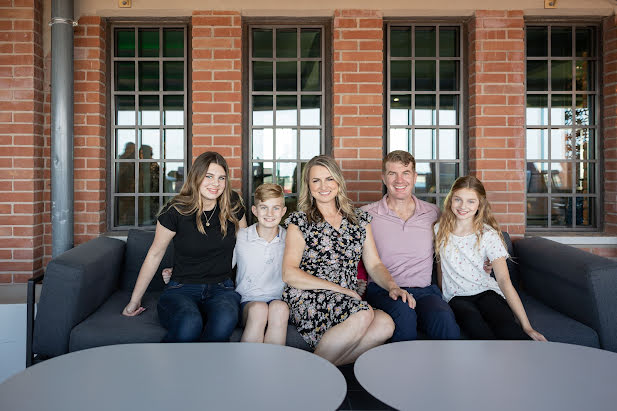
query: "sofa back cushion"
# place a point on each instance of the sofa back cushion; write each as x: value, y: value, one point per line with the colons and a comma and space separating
x: 137, y: 245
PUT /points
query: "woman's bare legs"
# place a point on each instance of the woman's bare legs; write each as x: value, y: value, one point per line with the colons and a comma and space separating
x: 344, y: 337
x: 380, y: 330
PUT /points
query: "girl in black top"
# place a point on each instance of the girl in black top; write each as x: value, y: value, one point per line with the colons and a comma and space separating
x: 199, y: 303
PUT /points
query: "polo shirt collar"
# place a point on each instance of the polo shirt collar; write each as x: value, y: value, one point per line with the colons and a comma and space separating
x: 383, y: 208
x: 252, y: 235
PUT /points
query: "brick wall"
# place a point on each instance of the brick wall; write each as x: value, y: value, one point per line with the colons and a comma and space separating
x: 358, y: 101
x: 21, y: 140
x: 497, y: 112
x: 216, y: 87
x: 609, y: 123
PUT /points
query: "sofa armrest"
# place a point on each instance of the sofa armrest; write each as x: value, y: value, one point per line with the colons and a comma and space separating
x: 578, y: 284
x: 76, y: 283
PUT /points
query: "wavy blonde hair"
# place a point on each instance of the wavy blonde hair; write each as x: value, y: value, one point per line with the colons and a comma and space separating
x: 483, y: 216
x: 306, y: 201
x: 189, y: 200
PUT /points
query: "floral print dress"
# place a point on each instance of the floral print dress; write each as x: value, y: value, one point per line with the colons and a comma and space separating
x: 331, y: 255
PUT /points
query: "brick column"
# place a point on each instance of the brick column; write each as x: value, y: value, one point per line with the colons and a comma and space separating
x: 21, y: 140
x: 358, y: 101
x: 609, y: 123
x: 216, y: 87
x: 497, y: 112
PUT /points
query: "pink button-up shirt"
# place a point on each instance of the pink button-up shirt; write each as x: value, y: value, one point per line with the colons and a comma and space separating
x: 405, y: 247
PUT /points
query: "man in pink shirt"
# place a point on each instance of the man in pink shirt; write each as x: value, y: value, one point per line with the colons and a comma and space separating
x: 403, y: 230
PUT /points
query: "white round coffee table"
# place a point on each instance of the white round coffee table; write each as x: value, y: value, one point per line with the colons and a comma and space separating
x: 198, y: 376
x: 490, y: 375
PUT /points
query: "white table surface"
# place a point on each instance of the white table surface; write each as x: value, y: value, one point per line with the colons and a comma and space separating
x: 198, y: 376
x: 490, y: 375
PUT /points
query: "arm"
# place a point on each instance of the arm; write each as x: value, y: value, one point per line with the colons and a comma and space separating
x: 503, y: 279
x: 297, y: 278
x: 379, y: 272
x: 162, y: 237
x: 242, y: 222
x: 439, y: 275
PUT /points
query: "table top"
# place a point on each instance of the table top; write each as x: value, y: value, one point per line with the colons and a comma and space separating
x: 197, y: 376
x: 490, y: 375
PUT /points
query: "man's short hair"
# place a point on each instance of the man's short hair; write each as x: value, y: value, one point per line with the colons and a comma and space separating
x: 398, y: 156
x: 267, y: 191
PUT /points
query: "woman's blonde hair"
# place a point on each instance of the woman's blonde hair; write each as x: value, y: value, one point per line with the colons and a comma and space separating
x: 189, y: 200
x: 483, y: 216
x: 306, y: 202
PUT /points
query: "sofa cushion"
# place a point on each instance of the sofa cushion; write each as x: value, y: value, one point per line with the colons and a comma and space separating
x: 137, y: 245
x: 557, y: 327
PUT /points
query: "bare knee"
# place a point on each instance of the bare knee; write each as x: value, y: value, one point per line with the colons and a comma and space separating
x: 257, y: 312
x: 362, y: 319
x: 383, y: 325
x: 278, y: 311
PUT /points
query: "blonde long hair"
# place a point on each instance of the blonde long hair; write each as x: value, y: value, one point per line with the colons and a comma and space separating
x: 483, y: 216
x: 189, y: 200
x: 306, y: 201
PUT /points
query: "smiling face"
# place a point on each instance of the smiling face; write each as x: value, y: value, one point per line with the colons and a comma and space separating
x: 399, y: 180
x: 322, y: 185
x: 465, y: 204
x: 269, y: 212
x: 213, y: 184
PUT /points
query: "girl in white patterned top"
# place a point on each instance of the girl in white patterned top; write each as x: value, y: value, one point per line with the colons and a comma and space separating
x: 466, y: 235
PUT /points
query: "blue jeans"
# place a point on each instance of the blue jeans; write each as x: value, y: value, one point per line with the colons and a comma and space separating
x: 432, y: 314
x: 199, y: 312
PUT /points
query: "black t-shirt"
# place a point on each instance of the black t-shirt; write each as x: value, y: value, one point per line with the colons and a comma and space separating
x: 199, y: 258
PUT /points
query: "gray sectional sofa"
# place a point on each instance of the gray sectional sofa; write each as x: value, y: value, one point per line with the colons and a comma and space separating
x: 570, y: 296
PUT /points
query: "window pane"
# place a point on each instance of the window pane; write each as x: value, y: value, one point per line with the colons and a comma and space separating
x: 263, y: 144
x: 561, y: 110
x: 585, y: 211
x: 286, y: 110
x: 448, y: 110
x: 262, y: 173
x: 425, y: 41
x: 400, y: 42
x: 425, y: 142
x: 425, y: 183
x: 537, y: 144
x: 425, y: 75
x: 125, y: 76
x: 173, y: 43
x: 149, y: 177
x: 124, y: 210
x: 286, y: 143
x: 125, y: 144
x: 148, y: 42
x: 125, y: 110
x: 537, y: 110
x: 448, y: 173
x: 400, y: 110
x: 561, y: 177
x: 173, y: 177
x: 286, y: 176
x: 149, y: 144
x: 125, y: 178
x: 149, y: 75
x: 561, y: 211
x: 537, y: 75
x: 310, y: 114
x: 310, y: 43
x: 262, y: 43
x: 448, y: 75
x: 448, y: 144
x: 400, y: 139
x: 561, y: 75
x: 537, y: 41
x: 174, y: 144
x: 585, y: 80
x: 173, y: 110
x: 286, y: 76
x: 147, y: 208
x: 585, y: 42
x: 537, y: 211
x: 149, y: 114
x: 585, y: 113
x: 561, y: 41
x: 263, y: 114
x: 585, y: 178
x: 310, y: 77
x: 448, y: 42
x: 561, y: 144
x: 173, y: 75
x: 537, y: 177
x: 286, y: 43
x: 262, y: 76
x: 425, y: 113
x: 585, y: 144
x: 310, y: 144
x: 400, y: 75
x: 125, y: 43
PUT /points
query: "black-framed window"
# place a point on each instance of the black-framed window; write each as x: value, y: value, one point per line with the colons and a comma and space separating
x: 424, y: 80
x: 562, y: 101
x: 148, y: 121
x: 287, y: 111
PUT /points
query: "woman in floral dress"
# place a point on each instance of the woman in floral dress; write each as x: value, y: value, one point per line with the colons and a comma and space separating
x: 325, y: 241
